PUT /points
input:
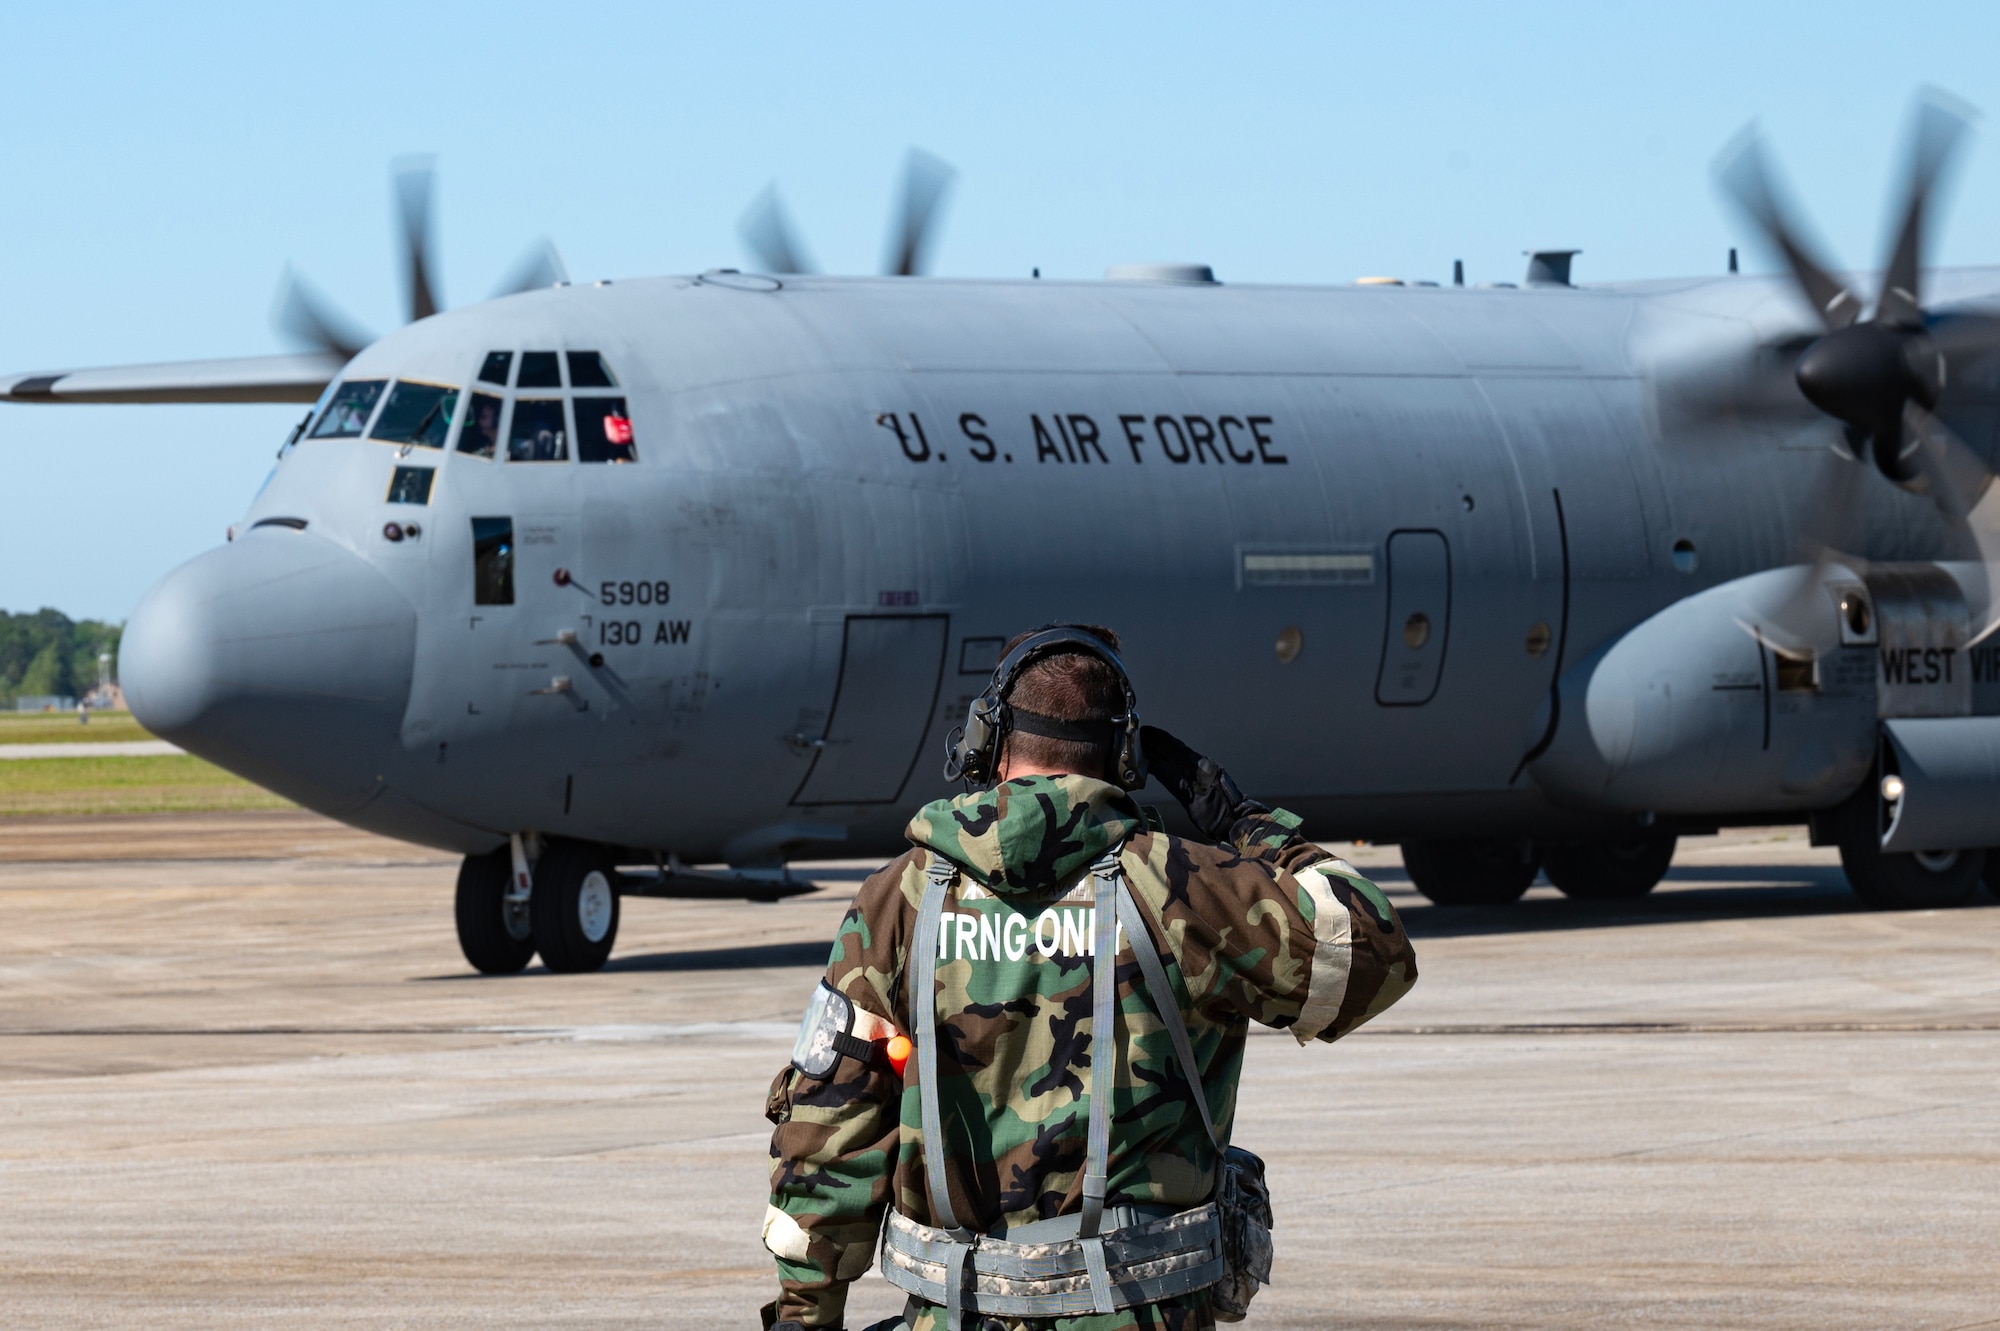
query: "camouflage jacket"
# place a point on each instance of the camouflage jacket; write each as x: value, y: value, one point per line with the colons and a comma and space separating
x: 1270, y: 929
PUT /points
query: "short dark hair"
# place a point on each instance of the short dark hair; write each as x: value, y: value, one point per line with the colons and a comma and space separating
x: 1069, y: 685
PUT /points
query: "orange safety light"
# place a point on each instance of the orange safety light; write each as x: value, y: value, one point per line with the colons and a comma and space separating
x: 898, y: 1050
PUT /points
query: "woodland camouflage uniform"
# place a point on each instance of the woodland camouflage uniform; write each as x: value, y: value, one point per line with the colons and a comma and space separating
x: 1269, y: 928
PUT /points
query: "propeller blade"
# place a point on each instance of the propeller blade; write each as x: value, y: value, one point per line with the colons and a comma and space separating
x: 416, y: 178
x: 540, y: 266
x: 1964, y: 336
x: 1983, y: 525
x: 926, y: 181
x: 1799, y: 617
x: 1745, y: 176
x: 766, y: 231
x: 1941, y: 123
x: 1962, y: 487
x: 1759, y: 387
x: 307, y: 317
x: 1953, y: 475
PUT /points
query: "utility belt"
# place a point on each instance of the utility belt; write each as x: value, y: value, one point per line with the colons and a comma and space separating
x: 1101, y: 1258
x: 1044, y: 1269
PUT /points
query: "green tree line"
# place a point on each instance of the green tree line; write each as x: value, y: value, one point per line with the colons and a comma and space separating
x: 47, y: 652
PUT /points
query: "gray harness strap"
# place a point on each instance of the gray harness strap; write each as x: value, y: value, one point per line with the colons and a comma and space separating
x: 1103, y: 1072
x: 1163, y: 1000
x: 923, y: 1002
x: 1178, y: 1253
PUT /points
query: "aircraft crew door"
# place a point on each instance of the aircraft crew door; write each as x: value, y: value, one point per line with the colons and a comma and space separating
x: 891, y: 667
x: 1419, y: 621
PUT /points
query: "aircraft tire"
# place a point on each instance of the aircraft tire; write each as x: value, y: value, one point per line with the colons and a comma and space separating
x: 1486, y: 871
x: 484, y: 935
x: 1609, y: 871
x: 1889, y: 881
x: 574, y: 909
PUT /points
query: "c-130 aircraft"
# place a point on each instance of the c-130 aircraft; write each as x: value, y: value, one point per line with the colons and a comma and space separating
x: 595, y: 582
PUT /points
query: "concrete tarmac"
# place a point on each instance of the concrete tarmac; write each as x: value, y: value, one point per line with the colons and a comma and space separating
x: 247, y: 1081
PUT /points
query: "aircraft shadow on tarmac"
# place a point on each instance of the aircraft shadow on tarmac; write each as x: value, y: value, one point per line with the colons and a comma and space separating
x: 1743, y: 892
x: 727, y: 958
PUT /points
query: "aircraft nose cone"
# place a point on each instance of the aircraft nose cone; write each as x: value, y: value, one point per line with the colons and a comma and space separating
x: 282, y: 657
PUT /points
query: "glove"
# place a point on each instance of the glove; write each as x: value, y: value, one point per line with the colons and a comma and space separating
x: 1213, y: 801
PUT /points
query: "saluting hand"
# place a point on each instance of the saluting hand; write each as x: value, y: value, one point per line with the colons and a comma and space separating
x: 1212, y: 799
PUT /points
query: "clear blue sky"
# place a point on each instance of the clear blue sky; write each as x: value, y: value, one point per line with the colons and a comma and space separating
x: 161, y: 165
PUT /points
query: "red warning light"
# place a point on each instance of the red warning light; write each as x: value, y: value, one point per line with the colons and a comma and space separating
x: 618, y: 429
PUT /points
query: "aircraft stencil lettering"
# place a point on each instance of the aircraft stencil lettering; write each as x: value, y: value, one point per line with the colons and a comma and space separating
x: 1074, y: 437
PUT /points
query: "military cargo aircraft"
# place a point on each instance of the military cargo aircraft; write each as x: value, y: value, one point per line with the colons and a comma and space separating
x: 595, y: 582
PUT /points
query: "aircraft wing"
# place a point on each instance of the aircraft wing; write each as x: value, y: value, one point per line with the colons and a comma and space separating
x: 289, y: 378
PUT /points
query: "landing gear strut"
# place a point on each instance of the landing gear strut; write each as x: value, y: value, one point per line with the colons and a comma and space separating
x: 1490, y: 871
x: 492, y: 930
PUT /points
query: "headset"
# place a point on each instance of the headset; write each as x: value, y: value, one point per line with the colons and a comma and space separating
x: 972, y: 751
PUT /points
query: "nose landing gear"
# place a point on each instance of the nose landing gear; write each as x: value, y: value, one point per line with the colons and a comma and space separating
x: 571, y: 917
x: 574, y: 911
x: 493, y: 931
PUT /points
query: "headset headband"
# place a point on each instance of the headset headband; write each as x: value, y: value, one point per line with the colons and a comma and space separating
x: 973, y: 750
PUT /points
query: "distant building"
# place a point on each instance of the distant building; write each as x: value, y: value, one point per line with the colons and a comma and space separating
x: 47, y: 702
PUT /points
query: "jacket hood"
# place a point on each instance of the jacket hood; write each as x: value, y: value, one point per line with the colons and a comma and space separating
x: 1031, y: 834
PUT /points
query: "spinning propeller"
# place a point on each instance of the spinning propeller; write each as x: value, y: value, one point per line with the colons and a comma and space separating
x: 767, y: 228
x: 1880, y: 376
x: 308, y: 317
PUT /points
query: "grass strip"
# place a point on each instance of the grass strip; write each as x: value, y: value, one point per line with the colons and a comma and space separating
x: 63, y: 728
x: 177, y: 783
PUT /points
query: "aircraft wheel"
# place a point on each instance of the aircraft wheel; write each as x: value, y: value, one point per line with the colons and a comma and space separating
x: 1609, y: 872
x: 495, y: 940
x: 1489, y: 871
x: 1929, y: 880
x: 574, y: 909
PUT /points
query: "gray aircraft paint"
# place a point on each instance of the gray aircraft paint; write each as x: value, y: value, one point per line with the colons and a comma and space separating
x: 807, y: 464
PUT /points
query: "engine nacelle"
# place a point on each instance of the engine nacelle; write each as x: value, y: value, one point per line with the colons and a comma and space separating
x: 1689, y: 713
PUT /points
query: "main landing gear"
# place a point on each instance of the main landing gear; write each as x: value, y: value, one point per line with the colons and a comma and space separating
x: 1494, y: 871
x: 1489, y: 871
x: 1916, y: 881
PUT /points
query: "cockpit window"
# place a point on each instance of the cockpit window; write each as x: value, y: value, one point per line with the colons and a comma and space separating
x: 494, y: 371
x: 538, y: 370
x: 347, y: 415
x: 588, y: 370
x: 481, y: 434
x: 538, y: 433
x: 604, y: 431
x: 417, y: 414
x: 411, y: 485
